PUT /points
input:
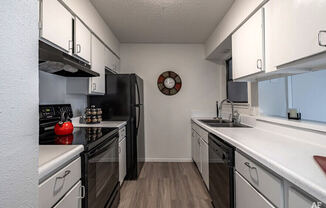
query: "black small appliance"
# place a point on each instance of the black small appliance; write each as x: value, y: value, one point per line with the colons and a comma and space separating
x: 100, y: 160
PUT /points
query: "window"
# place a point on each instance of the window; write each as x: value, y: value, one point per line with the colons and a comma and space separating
x: 236, y: 91
x: 305, y: 92
x: 272, y: 97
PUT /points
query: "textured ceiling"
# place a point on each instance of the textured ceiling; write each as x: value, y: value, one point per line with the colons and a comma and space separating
x: 162, y: 21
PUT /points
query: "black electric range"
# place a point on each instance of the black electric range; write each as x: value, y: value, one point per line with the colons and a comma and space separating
x: 90, y: 137
x: 100, y: 159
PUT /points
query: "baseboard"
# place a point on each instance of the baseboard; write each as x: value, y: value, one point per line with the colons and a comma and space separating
x: 168, y: 160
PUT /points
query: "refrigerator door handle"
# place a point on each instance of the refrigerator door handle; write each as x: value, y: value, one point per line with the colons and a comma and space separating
x: 138, y: 120
x: 137, y: 92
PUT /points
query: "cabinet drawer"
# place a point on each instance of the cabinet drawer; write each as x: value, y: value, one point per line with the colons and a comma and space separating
x: 73, y: 199
x: 264, y: 181
x: 247, y: 197
x: 201, y: 132
x: 51, y: 190
x: 122, y: 133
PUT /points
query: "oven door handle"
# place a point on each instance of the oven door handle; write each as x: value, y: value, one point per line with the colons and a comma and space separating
x: 101, y: 149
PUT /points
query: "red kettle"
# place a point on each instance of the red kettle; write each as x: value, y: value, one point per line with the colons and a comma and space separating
x: 64, y: 126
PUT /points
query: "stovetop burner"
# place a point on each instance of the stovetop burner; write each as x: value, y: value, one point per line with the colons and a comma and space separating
x: 87, y: 136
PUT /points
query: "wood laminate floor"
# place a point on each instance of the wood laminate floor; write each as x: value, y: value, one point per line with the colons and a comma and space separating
x: 166, y: 185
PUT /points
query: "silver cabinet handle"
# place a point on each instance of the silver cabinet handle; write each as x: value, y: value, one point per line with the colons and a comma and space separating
x: 67, y: 172
x: 83, y: 192
x: 70, y: 45
x: 259, y: 64
x: 249, y: 166
x: 94, y: 86
x: 78, y: 48
x: 319, y: 40
x: 119, y: 149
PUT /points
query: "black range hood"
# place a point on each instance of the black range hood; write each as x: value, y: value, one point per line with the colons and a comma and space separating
x: 55, y: 61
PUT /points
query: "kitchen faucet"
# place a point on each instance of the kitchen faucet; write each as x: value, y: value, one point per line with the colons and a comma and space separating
x: 219, y: 116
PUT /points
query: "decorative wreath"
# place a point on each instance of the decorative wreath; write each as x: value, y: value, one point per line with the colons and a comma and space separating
x: 169, y: 83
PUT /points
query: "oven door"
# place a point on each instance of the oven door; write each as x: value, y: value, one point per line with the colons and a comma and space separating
x: 102, y: 173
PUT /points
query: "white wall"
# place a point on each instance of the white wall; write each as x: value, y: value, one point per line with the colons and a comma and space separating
x: 53, y: 90
x: 238, y: 13
x: 167, y: 118
x: 19, y: 103
x: 87, y: 12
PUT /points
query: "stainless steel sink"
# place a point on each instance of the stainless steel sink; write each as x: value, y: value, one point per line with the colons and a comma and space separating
x: 223, y: 123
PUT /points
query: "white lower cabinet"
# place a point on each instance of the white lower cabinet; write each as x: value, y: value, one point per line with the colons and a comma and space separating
x: 73, y: 199
x: 197, y: 151
x: 246, y: 196
x: 122, y: 160
x: 193, y: 144
x: 59, y: 184
x: 298, y: 200
x: 263, y: 180
x: 199, y: 147
x: 204, y: 161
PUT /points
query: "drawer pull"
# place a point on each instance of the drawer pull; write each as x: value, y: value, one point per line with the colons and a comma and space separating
x: 319, y: 38
x: 82, y: 190
x: 67, y: 172
x: 249, y: 166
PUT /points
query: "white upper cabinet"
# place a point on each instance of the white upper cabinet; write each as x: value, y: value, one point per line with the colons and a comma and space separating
x: 83, y: 41
x: 97, y: 84
x: 116, y: 65
x: 56, y: 24
x: 248, y: 47
x: 294, y: 30
x: 112, y: 62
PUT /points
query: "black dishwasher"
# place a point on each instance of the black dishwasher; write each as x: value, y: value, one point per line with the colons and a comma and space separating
x: 221, y: 172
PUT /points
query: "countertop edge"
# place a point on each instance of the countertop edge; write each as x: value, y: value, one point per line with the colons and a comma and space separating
x: 48, y: 168
x: 282, y: 171
x: 108, y: 124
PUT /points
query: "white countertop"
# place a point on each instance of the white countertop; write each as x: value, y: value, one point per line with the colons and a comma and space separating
x: 108, y: 124
x: 289, y: 157
x: 54, y: 157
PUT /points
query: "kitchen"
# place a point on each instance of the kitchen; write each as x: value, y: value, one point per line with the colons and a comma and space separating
x: 167, y: 103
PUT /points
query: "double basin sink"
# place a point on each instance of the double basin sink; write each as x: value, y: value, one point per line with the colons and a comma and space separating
x: 222, y: 123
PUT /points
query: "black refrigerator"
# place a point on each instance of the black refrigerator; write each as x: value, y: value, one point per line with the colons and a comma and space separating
x: 123, y: 101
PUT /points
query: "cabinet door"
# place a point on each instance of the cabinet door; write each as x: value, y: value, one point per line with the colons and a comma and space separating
x: 193, y: 144
x: 112, y: 62
x: 204, y: 161
x: 292, y: 29
x: 248, y: 47
x: 197, y: 152
x: 298, y: 200
x: 247, y: 197
x: 73, y: 199
x: 116, y: 64
x: 97, y: 84
x: 56, y: 24
x: 83, y: 41
x: 122, y: 160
